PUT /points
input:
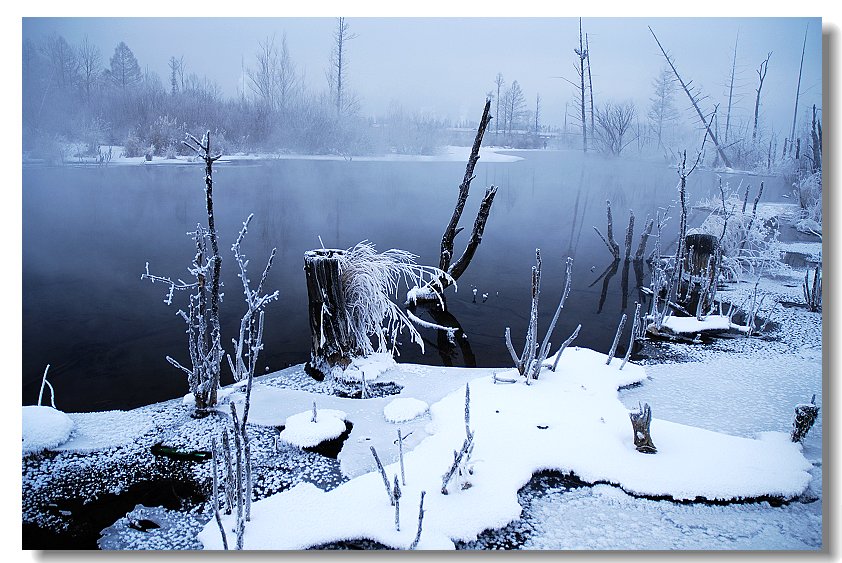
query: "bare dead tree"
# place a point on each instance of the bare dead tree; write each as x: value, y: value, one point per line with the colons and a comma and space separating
x: 816, y: 142
x: 203, y: 327
x: 612, y: 245
x: 339, y: 66
x: 499, y: 81
x: 530, y: 362
x: 761, y: 73
x: 731, y: 87
x: 446, y: 264
x: 695, y: 99
x: 582, y: 53
x: 798, y: 89
x: 590, y: 78
x: 614, y: 126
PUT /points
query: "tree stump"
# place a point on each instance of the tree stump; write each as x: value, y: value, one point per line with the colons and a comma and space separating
x: 331, y: 343
x: 805, y: 417
x: 700, y: 249
x: 640, y: 424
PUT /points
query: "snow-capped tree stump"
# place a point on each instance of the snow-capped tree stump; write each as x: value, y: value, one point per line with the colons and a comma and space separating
x: 805, y: 417
x: 640, y: 424
x: 700, y: 249
x: 331, y: 343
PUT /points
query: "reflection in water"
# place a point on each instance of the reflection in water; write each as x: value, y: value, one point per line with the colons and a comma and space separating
x: 447, y: 341
x: 87, y: 233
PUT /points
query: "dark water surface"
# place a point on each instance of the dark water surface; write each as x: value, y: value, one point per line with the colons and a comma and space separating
x: 88, y: 232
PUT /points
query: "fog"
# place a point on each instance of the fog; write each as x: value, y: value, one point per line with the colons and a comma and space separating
x: 444, y: 67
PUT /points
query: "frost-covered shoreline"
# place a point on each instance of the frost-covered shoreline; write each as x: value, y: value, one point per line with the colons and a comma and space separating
x: 448, y: 153
x: 772, y: 374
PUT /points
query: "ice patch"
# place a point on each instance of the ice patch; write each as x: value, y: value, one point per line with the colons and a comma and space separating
x: 401, y: 410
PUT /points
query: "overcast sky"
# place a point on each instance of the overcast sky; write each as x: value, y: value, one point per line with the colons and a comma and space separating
x: 446, y: 65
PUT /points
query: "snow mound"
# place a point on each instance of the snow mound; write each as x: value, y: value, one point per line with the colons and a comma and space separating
x: 302, y: 432
x: 401, y: 410
x: 44, y: 428
x: 368, y: 368
x: 689, y: 325
x: 570, y: 420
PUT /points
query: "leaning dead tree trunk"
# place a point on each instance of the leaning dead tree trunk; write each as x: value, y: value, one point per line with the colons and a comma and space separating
x: 761, y: 73
x: 640, y: 424
x: 331, y: 343
x: 446, y: 263
x: 694, y: 100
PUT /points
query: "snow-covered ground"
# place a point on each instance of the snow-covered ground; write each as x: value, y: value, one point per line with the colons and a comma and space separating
x: 720, y: 423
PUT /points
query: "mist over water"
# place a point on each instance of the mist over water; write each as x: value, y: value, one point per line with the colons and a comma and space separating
x: 89, y: 231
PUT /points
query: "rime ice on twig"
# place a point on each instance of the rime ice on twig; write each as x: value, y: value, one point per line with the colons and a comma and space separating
x: 396, y: 495
x: 635, y: 322
x: 214, y: 455
x: 400, y: 452
x: 616, y: 339
x: 461, y: 460
x: 383, y: 474
x: 48, y: 384
x: 565, y: 344
x: 420, y: 521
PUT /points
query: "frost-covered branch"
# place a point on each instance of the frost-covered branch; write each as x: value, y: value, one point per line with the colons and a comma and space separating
x: 414, y: 543
x: 214, y: 456
x: 48, y: 384
x: 389, y: 492
x: 616, y: 339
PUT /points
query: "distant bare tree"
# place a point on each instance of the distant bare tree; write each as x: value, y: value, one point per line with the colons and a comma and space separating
x: 798, y: 90
x: 90, y: 66
x: 761, y: 73
x: 662, y: 109
x: 731, y: 80
x: 613, y: 126
x: 337, y: 80
x: 64, y: 65
x: 537, y: 113
x: 582, y: 54
x: 515, y: 103
x: 500, y: 82
x: 275, y: 78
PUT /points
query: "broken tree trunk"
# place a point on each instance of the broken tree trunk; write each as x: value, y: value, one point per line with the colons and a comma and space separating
x: 805, y: 417
x: 612, y: 245
x: 434, y: 290
x: 640, y: 424
x: 700, y: 249
x: 331, y: 342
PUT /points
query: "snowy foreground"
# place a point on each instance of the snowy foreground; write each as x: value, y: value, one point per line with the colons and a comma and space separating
x: 571, y: 421
x: 721, y: 418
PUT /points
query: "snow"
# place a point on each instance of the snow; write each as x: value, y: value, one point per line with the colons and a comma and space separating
x: 570, y: 420
x: 402, y: 410
x: 101, y: 430
x: 368, y: 368
x: 301, y: 431
x: 44, y: 428
x: 447, y: 154
x: 689, y: 325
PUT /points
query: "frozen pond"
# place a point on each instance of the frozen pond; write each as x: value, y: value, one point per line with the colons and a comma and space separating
x: 88, y: 232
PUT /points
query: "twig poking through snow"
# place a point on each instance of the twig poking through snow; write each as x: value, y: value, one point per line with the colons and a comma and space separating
x: 635, y: 322
x: 214, y: 455
x: 616, y: 340
x: 48, y: 384
x: 400, y: 451
x: 420, y: 521
x: 383, y: 474
x: 565, y: 345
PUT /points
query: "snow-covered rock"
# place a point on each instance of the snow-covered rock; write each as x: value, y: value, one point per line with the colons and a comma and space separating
x: 401, y: 410
x: 44, y: 428
x: 301, y: 431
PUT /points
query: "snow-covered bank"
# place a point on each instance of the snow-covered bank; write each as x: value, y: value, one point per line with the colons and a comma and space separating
x: 571, y: 420
x: 448, y: 153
